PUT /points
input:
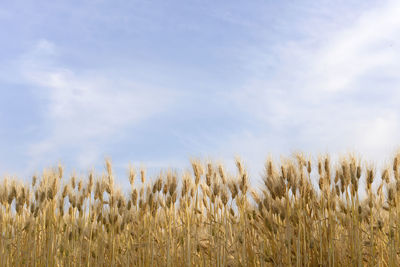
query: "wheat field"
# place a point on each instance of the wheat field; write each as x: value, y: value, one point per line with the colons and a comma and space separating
x: 306, y: 213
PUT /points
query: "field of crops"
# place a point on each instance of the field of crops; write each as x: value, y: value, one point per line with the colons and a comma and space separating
x: 307, y: 213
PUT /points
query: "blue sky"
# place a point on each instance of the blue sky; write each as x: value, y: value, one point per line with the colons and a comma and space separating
x: 155, y: 83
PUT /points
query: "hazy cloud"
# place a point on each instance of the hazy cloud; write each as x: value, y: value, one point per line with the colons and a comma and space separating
x: 330, y: 94
x: 85, y: 110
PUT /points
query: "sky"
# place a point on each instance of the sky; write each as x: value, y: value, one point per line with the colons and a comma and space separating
x: 156, y: 83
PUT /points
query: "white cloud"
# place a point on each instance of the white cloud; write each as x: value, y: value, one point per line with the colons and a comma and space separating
x: 85, y: 110
x: 334, y: 93
x: 380, y: 132
x: 365, y: 46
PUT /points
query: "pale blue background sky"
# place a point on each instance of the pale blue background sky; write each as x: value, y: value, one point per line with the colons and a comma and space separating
x: 157, y: 82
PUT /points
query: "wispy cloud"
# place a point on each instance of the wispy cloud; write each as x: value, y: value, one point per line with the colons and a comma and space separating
x: 216, y: 80
x: 85, y: 111
x: 370, y: 45
x: 329, y: 93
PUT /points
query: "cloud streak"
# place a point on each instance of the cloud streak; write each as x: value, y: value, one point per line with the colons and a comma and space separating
x: 217, y: 80
x: 329, y: 92
x: 85, y: 111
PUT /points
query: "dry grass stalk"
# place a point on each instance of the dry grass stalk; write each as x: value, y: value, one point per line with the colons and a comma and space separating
x: 208, y: 218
